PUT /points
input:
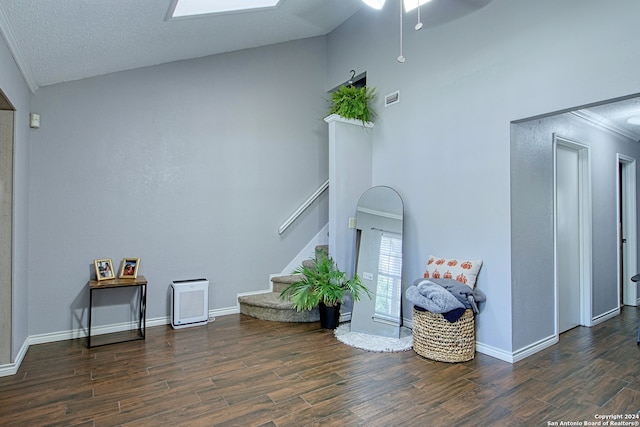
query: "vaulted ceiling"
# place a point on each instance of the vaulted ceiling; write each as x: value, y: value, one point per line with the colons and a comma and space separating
x: 56, y: 41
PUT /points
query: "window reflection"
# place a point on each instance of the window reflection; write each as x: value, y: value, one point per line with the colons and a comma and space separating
x: 389, y: 287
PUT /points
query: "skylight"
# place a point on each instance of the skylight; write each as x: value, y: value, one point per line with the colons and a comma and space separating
x: 207, y: 7
x: 409, y: 5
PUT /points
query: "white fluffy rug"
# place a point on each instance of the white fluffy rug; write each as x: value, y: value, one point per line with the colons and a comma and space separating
x: 374, y: 342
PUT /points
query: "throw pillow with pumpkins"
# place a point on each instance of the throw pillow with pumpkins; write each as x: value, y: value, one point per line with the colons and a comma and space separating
x: 462, y: 270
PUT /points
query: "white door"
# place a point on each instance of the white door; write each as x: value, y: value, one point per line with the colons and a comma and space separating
x: 567, y: 237
x: 627, y: 238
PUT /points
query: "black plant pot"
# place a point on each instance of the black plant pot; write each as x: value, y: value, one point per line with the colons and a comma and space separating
x: 329, y: 316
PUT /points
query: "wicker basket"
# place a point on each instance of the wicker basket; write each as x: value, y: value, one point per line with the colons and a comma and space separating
x: 434, y: 337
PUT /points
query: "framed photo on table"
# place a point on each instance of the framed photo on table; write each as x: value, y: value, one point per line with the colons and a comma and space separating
x: 129, y: 269
x: 104, y: 269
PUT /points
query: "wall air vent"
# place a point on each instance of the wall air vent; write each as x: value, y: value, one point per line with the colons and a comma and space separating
x: 392, y: 98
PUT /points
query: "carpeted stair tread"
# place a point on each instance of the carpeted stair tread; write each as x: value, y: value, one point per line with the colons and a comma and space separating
x: 268, y: 300
x: 309, y: 263
x: 287, y: 279
x: 269, y: 306
x: 282, y: 282
x: 324, y: 248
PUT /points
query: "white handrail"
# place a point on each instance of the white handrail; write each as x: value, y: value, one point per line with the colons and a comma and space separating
x: 303, y: 207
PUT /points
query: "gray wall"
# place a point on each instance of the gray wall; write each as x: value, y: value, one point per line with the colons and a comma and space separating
x: 532, y: 234
x: 172, y: 163
x: 446, y: 146
x: 191, y: 166
x: 16, y: 90
x: 532, y: 220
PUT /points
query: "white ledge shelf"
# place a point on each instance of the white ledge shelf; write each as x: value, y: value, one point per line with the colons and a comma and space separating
x: 338, y: 118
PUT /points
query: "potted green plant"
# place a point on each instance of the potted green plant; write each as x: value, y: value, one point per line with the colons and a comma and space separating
x: 353, y: 102
x: 322, y: 284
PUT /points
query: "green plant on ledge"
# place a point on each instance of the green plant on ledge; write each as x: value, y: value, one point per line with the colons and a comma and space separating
x: 353, y: 103
x: 322, y: 283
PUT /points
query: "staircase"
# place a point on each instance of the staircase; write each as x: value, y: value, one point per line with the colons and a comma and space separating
x: 269, y: 306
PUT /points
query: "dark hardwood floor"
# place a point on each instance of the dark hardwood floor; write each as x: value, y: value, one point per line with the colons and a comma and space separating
x: 245, y: 372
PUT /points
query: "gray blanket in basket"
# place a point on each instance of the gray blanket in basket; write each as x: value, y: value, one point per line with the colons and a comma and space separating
x: 467, y: 296
x: 432, y: 297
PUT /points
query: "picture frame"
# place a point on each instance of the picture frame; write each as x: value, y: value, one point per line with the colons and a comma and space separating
x: 104, y: 269
x: 129, y: 268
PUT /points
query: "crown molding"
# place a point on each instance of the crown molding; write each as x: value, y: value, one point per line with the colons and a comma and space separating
x: 603, y: 123
x: 16, y: 52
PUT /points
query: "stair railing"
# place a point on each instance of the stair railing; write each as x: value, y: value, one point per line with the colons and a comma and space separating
x: 303, y: 207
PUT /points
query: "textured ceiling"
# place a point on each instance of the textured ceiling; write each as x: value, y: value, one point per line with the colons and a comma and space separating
x: 62, y: 40
x: 56, y: 41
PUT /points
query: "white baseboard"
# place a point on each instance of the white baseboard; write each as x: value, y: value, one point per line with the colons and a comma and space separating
x: 224, y: 311
x: 12, y: 368
x: 533, y: 348
x: 527, y: 351
x: 96, y: 330
x: 345, y: 317
x: 605, y: 316
x: 407, y: 322
x: 501, y: 354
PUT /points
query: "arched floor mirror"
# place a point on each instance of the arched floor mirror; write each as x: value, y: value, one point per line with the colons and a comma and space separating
x: 379, y: 217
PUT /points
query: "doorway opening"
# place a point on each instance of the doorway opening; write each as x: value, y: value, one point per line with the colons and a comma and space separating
x: 627, y: 230
x: 572, y: 234
x: 6, y: 227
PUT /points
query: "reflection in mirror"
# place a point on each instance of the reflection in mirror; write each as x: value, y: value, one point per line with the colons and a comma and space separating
x: 379, y: 217
x: 388, y: 286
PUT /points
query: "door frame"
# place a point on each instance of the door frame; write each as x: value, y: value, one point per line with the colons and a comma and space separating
x: 626, y: 210
x: 7, y: 118
x: 585, y: 228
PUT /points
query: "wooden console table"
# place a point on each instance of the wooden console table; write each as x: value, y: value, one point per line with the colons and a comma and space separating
x: 118, y: 337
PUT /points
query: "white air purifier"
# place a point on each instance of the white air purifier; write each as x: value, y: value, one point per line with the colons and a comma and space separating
x: 189, y: 303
